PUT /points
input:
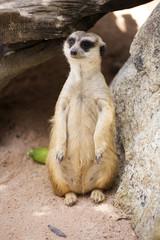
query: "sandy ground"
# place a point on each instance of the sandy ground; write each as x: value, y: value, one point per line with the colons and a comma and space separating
x: 27, y: 203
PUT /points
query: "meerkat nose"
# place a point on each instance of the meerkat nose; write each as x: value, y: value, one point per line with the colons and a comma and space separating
x: 73, y: 52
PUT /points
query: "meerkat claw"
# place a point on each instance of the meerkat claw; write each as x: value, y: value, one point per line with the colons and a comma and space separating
x: 97, y: 196
x: 70, y: 199
x: 59, y: 157
x: 98, y: 159
x: 99, y: 155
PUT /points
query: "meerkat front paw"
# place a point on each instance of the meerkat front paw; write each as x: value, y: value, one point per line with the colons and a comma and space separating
x: 70, y: 199
x: 99, y: 154
x: 97, y: 196
x: 60, y: 155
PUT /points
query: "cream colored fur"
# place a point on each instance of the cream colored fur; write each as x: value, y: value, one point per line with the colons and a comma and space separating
x: 83, y: 128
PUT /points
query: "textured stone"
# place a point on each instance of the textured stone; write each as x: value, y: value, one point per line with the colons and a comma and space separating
x: 48, y: 19
x: 31, y: 30
x: 136, y: 92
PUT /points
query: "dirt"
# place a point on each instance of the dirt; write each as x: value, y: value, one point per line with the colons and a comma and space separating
x: 27, y: 204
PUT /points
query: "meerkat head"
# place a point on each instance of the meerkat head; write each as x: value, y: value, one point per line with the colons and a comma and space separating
x: 84, y: 46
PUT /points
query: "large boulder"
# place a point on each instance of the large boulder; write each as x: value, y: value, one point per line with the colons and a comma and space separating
x: 31, y: 32
x: 136, y: 92
x: 38, y: 20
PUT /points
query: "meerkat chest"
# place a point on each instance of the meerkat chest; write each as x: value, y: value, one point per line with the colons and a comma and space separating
x: 83, y: 110
x: 84, y: 98
x: 83, y: 94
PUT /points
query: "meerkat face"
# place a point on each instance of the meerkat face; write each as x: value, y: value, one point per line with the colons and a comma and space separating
x: 82, y: 45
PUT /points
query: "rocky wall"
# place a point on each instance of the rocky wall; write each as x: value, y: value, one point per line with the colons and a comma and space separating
x: 136, y: 93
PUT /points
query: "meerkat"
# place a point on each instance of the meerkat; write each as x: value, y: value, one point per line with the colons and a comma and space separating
x: 82, y: 156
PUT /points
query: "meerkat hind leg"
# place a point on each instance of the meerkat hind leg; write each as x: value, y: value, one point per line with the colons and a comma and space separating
x: 70, y: 199
x: 97, y: 196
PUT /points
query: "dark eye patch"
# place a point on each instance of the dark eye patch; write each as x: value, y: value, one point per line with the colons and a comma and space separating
x: 86, y: 45
x: 102, y: 50
x: 71, y: 42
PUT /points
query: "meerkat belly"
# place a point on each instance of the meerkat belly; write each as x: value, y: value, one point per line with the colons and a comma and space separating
x: 82, y: 118
x: 81, y: 123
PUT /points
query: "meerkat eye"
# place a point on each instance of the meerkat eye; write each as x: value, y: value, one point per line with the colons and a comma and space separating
x: 86, y: 45
x: 71, y: 41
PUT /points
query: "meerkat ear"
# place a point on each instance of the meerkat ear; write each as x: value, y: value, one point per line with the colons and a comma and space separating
x: 102, y: 49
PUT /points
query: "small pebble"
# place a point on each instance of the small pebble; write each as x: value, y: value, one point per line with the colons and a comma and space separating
x: 57, y: 231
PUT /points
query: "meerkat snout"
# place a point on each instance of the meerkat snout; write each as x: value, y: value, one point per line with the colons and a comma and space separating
x: 73, y: 52
x: 82, y: 45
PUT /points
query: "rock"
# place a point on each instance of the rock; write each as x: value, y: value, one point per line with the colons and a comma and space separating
x: 14, y: 64
x: 27, y: 26
x: 27, y: 20
x: 136, y: 92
